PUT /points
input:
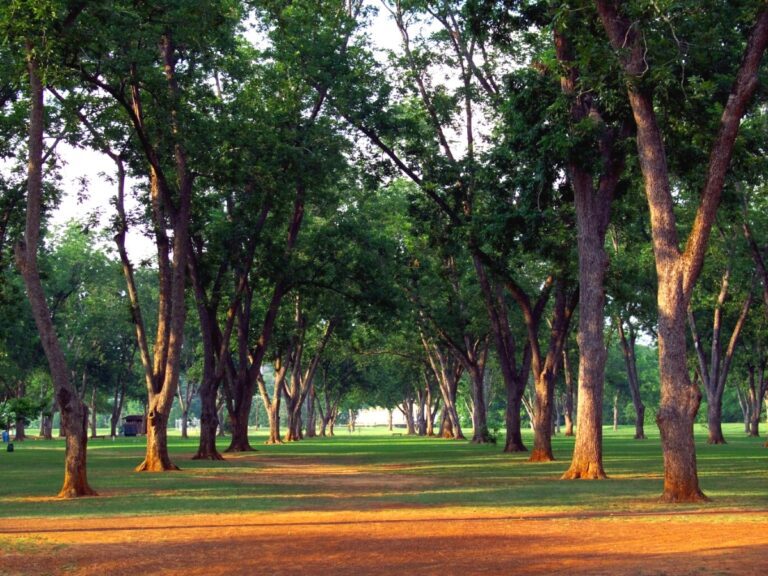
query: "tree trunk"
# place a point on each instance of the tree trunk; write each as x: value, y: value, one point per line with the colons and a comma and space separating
x: 221, y: 417
x: 209, y: 422
x: 480, y: 434
x: 514, y: 441
x: 630, y: 361
x: 421, y: 421
x: 73, y: 412
x: 680, y: 400
x: 545, y: 369
x: 311, y: 415
x: 676, y: 270
x: 514, y: 381
x: 714, y: 419
x: 390, y: 427
x: 46, y: 425
x: 117, y: 408
x: 20, y: 435
x: 755, y: 397
x: 542, y: 418
x: 92, y: 412
x: 446, y: 426
x: 238, y: 420
x: 430, y: 411
x: 407, y: 409
x: 592, y: 217
x: 568, y: 400
x: 273, y: 413
x: 157, y: 458
x: 616, y: 412
x: 184, y: 418
x: 715, y: 375
x: 293, y: 433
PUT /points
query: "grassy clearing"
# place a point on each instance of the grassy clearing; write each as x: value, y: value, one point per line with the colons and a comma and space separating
x: 373, y: 470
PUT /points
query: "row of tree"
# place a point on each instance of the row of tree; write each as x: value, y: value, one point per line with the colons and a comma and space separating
x: 465, y: 199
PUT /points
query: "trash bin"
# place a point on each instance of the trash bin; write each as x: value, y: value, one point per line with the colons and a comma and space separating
x: 5, y: 436
x: 9, y: 448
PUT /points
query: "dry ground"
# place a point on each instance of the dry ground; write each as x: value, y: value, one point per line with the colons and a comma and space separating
x: 388, y: 540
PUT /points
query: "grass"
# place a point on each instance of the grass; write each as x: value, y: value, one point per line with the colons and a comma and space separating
x: 373, y: 469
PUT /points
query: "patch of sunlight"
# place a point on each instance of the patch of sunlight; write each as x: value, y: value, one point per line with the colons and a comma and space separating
x: 27, y: 499
x: 25, y: 544
x: 636, y: 476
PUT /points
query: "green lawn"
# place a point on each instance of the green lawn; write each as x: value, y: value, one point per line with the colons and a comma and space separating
x: 345, y: 472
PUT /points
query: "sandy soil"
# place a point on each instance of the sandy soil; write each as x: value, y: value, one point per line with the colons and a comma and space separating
x: 424, y: 540
x: 437, y: 541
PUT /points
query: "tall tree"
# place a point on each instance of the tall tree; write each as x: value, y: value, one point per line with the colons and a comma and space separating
x: 593, y: 195
x: 678, y: 269
x: 28, y: 29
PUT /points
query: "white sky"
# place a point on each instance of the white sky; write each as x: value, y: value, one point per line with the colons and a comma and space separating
x: 97, y: 169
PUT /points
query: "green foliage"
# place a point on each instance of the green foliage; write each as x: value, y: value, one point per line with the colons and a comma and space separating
x: 18, y: 409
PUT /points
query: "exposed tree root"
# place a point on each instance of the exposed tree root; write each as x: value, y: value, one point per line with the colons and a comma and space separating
x: 539, y: 455
x: 585, y: 471
x: 216, y: 455
x: 156, y: 466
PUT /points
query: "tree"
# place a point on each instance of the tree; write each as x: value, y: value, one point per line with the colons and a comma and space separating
x: 28, y: 30
x: 165, y: 57
x: 713, y: 371
x: 678, y: 269
x: 593, y: 195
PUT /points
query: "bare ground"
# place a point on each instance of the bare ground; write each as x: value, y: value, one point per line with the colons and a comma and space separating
x: 388, y: 540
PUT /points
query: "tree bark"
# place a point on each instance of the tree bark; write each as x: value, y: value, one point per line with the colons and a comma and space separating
x: 754, y: 400
x: 677, y: 270
x: 239, y: 416
x: 545, y: 368
x: 46, y: 424
x: 421, y: 421
x: 515, y: 379
x: 715, y: 375
x: 593, y: 206
x: 480, y: 433
x: 630, y: 361
x: 73, y: 412
x: 568, y: 403
x: 209, y: 422
x: 311, y: 417
x: 92, y: 411
x: 406, y: 407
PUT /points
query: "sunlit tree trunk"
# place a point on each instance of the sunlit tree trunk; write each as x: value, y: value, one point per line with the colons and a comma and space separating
x: 73, y: 412
x: 677, y: 270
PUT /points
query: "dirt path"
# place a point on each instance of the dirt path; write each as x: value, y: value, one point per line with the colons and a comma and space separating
x: 423, y: 541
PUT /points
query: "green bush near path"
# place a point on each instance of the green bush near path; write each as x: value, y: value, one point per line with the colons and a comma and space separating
x: 372, y: 469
